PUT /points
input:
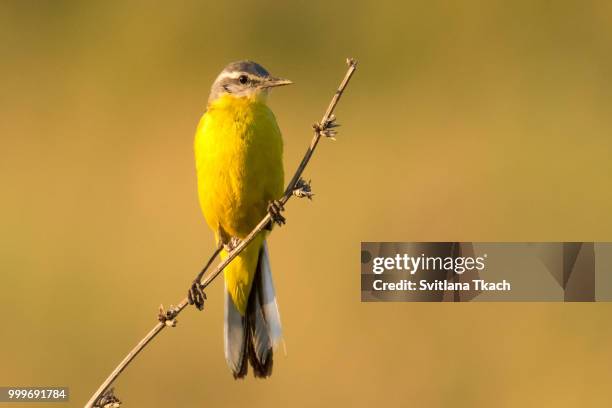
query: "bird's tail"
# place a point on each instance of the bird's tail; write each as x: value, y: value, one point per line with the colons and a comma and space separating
x: 252, y: 337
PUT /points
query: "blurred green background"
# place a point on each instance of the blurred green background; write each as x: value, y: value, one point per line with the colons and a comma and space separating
x: 474, y: 121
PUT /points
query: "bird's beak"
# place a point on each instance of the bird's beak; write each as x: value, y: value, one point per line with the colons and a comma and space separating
x: 272, y: 82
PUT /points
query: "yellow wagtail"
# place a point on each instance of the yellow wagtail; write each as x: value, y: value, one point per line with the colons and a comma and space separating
x: 238, y: 152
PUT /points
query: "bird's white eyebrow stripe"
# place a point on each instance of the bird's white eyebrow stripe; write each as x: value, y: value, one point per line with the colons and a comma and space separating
x: 237, y: 74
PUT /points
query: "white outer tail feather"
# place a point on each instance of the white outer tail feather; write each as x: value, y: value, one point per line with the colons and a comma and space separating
x: 233, y: 334
x: 270, y: 305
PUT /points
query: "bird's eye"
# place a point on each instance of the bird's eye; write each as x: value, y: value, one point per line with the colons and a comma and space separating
x: 243, y: 79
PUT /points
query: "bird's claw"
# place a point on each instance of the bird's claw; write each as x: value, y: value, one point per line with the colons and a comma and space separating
x: 196, y: 295
x: 275, y: 208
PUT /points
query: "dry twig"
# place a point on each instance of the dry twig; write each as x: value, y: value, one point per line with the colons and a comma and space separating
x: 104, y: 396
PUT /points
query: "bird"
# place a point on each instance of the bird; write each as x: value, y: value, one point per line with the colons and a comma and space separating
x: 239, y: 164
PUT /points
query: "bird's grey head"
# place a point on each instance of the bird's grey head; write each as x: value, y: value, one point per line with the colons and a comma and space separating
x: 244, y: 79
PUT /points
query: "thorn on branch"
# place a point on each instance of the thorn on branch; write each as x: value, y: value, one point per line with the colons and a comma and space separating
x: 330, y: 122
x: 168, y: 316
x: 302, y: 189
x: 108, y: 400
x: 330, y: 134
x: 327, y: 128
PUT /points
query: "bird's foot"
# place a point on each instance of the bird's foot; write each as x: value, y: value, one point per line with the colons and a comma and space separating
x: 275, y: 208
x: 196, y: 295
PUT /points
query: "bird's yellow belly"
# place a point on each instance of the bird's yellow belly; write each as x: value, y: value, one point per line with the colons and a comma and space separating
x: 234, y: 200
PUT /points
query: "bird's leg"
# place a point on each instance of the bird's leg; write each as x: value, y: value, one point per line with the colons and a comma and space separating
x: 275, y: 208
x: 196, y: 295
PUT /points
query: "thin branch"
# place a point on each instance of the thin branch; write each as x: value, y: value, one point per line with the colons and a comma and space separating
x: 295, y: 187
